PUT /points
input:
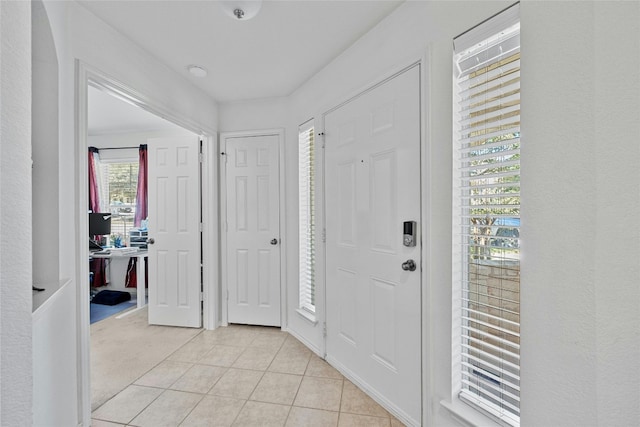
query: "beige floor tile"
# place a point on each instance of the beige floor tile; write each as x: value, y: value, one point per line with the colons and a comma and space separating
x: 191, y: 351
x: 320, y: 368
x: 99, y: 423
x: 237, y: 383
x: 306, y: 417
x: 262, y: 414
x: 258, y: 359
x: 163, y: 375
x: 269, y: 339
x: 207, y: 337
x: 124, y: 406
x: 277, y: 388
x: 319, y: 393
x: 291, y: 344
x: 199, y: 379
x: 396, y: 423
x: 234, y: 335
x: 353, y: 420
x: 355, y: 401
x: 214, y: 411
x: 290, y: 362
x: 222, y: 355
x: 167, y: 410
x: 122, y: 350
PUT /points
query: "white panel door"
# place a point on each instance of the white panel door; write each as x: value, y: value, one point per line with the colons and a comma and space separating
x: 253, y: 230
x: 174, y: 225
x: 372, y: 149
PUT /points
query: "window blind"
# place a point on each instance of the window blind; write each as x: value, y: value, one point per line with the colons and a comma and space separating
x: 306, y: 177
x: 487, y: 93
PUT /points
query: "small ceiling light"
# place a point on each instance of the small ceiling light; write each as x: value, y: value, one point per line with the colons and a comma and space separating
x: 197, y: 70
x: 241, y: 10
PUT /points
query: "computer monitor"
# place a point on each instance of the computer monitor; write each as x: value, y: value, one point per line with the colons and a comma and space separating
x: 99, y: 224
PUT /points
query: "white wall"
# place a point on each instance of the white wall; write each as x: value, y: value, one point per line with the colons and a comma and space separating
x: 15, y: 214
x: 54, y: 360
x: 580, y: 203
x: 46, y: 262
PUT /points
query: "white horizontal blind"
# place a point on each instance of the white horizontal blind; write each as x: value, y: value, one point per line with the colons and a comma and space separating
x: 120, y: 181
x: 306, y: 177
x: 488, y: 149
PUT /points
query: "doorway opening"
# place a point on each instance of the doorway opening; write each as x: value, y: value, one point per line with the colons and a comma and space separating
x: 92, y: 129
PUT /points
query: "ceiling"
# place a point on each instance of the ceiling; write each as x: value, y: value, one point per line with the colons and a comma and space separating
x: 270, y: 55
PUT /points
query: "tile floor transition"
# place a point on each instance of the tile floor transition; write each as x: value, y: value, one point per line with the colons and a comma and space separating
x: 242, y: 376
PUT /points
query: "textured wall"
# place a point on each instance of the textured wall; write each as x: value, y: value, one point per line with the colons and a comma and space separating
x: 580, y: 203
x: 15, y: 214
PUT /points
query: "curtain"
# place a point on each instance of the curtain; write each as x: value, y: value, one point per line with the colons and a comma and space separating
x: 96, y: 266
x: 141, y: 213
x: 94, y: 192
x: 141, y: 193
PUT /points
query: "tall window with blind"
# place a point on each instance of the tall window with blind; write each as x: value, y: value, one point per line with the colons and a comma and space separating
x: 487, y: 215
x: 306, y: 176
x: 120, y: 181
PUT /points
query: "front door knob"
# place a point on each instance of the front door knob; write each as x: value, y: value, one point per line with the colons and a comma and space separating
x: 151, y: 240
x: 409, y: 265
x: 274, y: 241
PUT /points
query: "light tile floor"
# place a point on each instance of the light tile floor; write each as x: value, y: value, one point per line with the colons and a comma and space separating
x: 242, y: 376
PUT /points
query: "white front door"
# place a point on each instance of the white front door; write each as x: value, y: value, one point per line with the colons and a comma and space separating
x: 372, y: 186
x: 174, y: 226
x: 253, y: 230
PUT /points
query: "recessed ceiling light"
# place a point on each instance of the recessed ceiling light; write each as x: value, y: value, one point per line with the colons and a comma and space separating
x: 197, y: 70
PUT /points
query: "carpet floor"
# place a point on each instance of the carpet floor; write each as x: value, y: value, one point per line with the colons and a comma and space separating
x: 100, y: 312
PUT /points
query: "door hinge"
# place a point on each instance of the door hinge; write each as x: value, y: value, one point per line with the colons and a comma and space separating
x: 324, y: 235
x: 201, y: 226
x: 324, y: 329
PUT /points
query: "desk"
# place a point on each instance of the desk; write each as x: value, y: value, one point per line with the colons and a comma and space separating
x: 140, y: 277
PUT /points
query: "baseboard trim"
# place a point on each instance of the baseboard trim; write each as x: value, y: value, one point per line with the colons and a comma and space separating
x: 381, y: 400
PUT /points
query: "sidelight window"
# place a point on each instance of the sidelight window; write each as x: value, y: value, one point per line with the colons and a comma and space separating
x: 487, y: 216
x: 306, y: 197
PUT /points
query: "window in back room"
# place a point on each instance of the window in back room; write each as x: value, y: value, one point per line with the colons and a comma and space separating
x: 120, y: 182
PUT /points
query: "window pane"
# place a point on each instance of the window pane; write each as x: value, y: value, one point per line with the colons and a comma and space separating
x: 122, y: 183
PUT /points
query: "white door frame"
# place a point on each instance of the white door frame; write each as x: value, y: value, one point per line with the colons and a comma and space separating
x: 86, y: 75
x: 279, y: 133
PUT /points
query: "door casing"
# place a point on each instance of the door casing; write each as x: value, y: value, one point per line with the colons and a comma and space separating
x: 279, y: 133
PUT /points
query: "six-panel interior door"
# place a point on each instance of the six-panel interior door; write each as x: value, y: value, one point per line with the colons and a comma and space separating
x: 253, y: 230
x: 372, y: 187
x: 174, y: 226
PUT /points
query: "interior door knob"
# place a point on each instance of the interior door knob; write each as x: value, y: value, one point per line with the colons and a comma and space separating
x: 409, y: 265
x: 274, y: 241
x: 151, y: 240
